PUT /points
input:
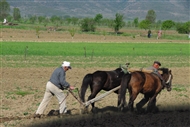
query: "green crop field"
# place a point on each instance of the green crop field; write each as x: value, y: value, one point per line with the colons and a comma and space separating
x: 98, y: 49
x: 19, y: 54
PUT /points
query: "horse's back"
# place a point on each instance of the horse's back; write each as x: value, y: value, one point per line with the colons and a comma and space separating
x: 99, y: 75
x: 111, y: 75
x: 107, y: 80
x: 144, y: 82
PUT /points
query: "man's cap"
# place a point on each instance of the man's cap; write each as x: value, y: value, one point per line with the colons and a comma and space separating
x: 157, y: 63
x: 66, y: 64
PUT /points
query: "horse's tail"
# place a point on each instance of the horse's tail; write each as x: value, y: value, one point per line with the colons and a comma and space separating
x: 87, y: 80
x: 124, y: 85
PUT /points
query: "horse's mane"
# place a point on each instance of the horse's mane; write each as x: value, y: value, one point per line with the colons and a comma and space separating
x: 118, y: 69
x: 164, y: 70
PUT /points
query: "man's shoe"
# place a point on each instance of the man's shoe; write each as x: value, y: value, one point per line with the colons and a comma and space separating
x: 37, y: 116
x: 68, y: 112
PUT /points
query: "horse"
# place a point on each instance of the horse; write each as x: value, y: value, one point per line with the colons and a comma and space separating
x: 100, y: 80
x: 148, y: 84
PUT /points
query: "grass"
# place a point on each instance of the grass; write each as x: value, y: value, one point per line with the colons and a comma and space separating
x: 19, y: 61
x: 100, y: 49
x: 179, y: 89
x: 22, y: 93
x: 15, y: 54
x: 18, y: 91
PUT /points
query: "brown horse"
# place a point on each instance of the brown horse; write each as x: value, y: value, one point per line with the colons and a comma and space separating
x: 100, y: 80
x: 148, y: 84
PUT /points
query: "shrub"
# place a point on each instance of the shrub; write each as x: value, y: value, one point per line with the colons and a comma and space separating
x: 88, y: 24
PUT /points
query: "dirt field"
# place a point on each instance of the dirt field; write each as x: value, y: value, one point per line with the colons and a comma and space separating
x: 173, y: 105
x: 52, y: 36
x: 22, y: 90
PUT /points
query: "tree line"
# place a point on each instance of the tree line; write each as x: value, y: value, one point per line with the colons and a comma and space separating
x: 89, y: 24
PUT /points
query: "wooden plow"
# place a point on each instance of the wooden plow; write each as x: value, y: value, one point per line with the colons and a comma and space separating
x: 98, y: 98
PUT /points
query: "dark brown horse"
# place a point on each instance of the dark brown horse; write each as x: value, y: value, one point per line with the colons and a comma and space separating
x: 100, y: 80
x: 148, y: 84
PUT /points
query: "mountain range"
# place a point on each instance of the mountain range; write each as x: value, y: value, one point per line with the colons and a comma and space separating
x: 176, y: 10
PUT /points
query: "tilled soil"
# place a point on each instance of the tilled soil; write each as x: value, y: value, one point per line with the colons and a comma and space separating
x: 18, y: 109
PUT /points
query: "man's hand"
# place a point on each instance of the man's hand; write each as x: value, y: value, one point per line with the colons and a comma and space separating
x: 71, y: 87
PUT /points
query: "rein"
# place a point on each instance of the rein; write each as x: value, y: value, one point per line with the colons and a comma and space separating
x: 169, y: 79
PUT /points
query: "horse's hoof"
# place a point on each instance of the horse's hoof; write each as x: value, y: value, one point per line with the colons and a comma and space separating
x: 84, y: 111
x: 94, y: 110
x: 155, y: 110
x: 120, y: 109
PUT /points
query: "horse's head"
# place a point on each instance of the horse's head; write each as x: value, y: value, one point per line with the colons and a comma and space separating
x: 167, y: 76
x: 119, y: 72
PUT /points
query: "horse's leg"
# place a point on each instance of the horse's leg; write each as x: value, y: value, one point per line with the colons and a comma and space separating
x: 133, y: 96
x: 122, y: 92
x: 152, y: 103
x: 154, y: 107
x: 93, y: 95
x: 142, y: 103
x: 121, y: 104
x: 85, y: 110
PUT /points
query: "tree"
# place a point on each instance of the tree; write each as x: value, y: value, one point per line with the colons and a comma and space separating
x: 144, y: 24
x: 41, y: 19
x: 118, y: 22
x: 45, y: 21
x: 74, y: 20
x: 136, y: 21
x: 151, y: 16
x: 72, y: 32
x: 88, y: 24
x: 129, y: 24
x: 16, y: 14
x: 183, y: 27
x: 97, y: 18
x: 106, y: 22
x: 167, y: 25
x: 32, y: 19
x: 38, y: 32
x: 55, y: 19
x: 4, y: 9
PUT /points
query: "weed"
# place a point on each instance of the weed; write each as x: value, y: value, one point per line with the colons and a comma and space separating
x: 179, y: 89
x: 18, y: 91
x: 25, y: 113
x: 72, y: 32
x: 23, y: 93
x: 38, y: 31
x: 10, y: 95
x: 75, y: 103
x: 5, y: 107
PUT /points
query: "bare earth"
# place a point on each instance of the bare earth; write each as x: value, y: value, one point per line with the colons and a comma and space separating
x: 17, y: 110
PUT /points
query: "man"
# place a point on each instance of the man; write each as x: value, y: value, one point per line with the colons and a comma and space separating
x: 149, y: 33
x: 55, y: 86
x: 159, y: 34
x: 5, y: 21
x: 154, y: 68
